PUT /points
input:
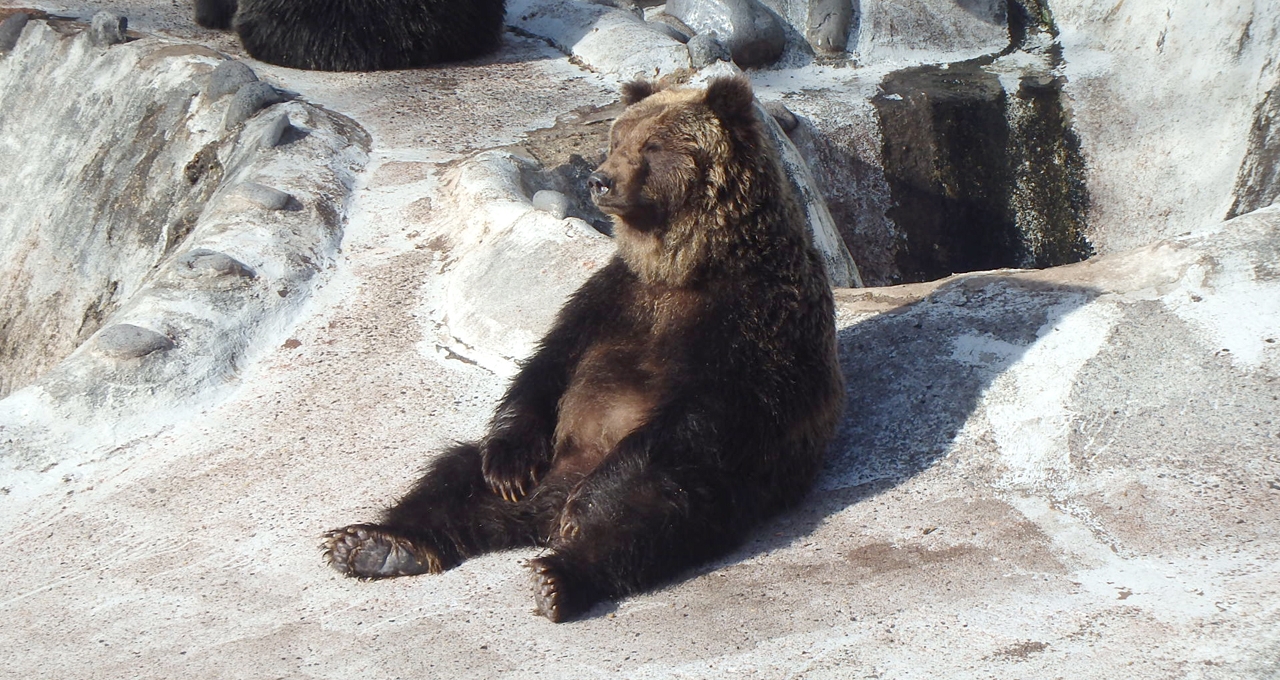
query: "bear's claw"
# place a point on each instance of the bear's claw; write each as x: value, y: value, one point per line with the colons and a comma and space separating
x: 547, y: 596
x: 367, y: 551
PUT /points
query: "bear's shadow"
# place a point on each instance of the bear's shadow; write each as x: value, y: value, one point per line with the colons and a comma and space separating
x: 914, y: 375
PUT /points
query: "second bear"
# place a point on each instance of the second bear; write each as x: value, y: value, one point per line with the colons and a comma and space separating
x: 358, y: 35
x: 684, y: 394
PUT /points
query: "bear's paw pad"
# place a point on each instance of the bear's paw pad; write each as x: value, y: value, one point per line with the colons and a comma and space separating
x: 366, y: 551
x: 548, y: 592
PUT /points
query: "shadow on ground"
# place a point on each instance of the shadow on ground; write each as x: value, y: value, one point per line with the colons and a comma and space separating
x: 915, y: 374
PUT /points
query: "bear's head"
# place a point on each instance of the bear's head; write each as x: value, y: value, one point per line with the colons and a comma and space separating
x: 685, y: 169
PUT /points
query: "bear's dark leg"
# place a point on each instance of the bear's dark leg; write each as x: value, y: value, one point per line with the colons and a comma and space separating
x: 631, y: 527
x: 215, y: 13
x: 449, y: 515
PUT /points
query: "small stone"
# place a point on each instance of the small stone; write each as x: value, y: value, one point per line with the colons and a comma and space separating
x: 785, y: 118
x: 227, y: 78
x: 753, y: 34
x: 758, y: 37
x: 11, y: 30
x: 127, y: 341
x: 679, y: 26
x: 552, y: 202
x: 250, y: 99
x: 203, y: 262
x: 262, y: 195
x: 668, y: 30
x: 829, y: 22
x: 706, y: 49
x: 108, y: 29
x: 275, y: 130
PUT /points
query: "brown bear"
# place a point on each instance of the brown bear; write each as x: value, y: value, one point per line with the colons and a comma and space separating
x: 358, y: 35
x: 686, y: 391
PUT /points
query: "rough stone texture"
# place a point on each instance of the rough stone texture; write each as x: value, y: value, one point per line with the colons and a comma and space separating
x: 123, y: 164
x: 503, y: 244
x: 920, y: 30
x: 829, y: 21
x: 706, y: 49
x: 551, y: 202
x: 108, y: 29
x: 611, y: 40
x: 1165, y: 101
x: 205, y: 263
x: 1258, y: 182
x: 228, y: 77
x: 751, y: 32
x: 782, y: 116
x: 127, y: 341
x: 250, y: 98
x: 900, y: 32
x: 276, y: 130
x: 262, y: 196
x: 11, y: 30
x: 145, y: 173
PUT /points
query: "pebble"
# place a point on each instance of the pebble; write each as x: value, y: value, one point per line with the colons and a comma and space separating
x: 706, y: 49
x: 227, y: 78
x: 202, y: 262
x: 107, y: 29
x: 275, y: 130
x: 127, y: 341
x: 262, y: 195
x: 250, y: 99
x: 552, y: 202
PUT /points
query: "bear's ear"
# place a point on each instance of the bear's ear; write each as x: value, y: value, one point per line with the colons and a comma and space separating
x: 730, y: 99
x: 637, y: 90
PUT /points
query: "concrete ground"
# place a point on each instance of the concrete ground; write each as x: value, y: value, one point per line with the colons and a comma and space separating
x: 1063, y: 474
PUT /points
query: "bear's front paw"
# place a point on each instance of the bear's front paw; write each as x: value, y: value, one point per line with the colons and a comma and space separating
x: 367, y: 551
x: 509, y: 469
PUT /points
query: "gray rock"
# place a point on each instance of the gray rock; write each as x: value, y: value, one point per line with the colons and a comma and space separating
x: 202, y: 263
x: 262, y: 195
x: 108, y: 29
x: 706, y: 49
x: 11, y: 30
x: 669, y: 31
x: 127, y: 341
x: 275, y: 130
x: 250, y: 99
x: 755, y: 35
x: 779, y: 111
x: 552, y: 202
x: 828, y: 25
x: 228, y: 78
x: 675, y: 24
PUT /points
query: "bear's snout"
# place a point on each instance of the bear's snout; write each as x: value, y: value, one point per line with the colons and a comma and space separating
x: 599, y: 184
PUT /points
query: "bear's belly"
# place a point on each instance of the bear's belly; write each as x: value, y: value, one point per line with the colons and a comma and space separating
x: 610, y: 395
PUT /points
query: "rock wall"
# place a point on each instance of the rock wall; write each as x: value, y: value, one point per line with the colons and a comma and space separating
x: 168, y: 215
x: 1170, y: 101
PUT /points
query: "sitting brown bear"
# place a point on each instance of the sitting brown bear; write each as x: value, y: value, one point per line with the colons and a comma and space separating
x: 686, y: 392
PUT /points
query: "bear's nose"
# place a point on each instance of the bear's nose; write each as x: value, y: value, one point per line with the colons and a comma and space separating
x: 599, y: 184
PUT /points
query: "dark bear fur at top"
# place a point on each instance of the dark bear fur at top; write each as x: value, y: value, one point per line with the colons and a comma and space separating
x: 686, y: 392
x: 359, y: 35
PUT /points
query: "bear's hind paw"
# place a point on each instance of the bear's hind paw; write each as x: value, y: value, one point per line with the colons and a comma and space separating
x: 555, y: 595
x: 367, y: 551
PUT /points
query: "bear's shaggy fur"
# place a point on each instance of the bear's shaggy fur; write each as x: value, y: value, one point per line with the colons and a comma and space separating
x: 685, y: 393
x: 359, y: 35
